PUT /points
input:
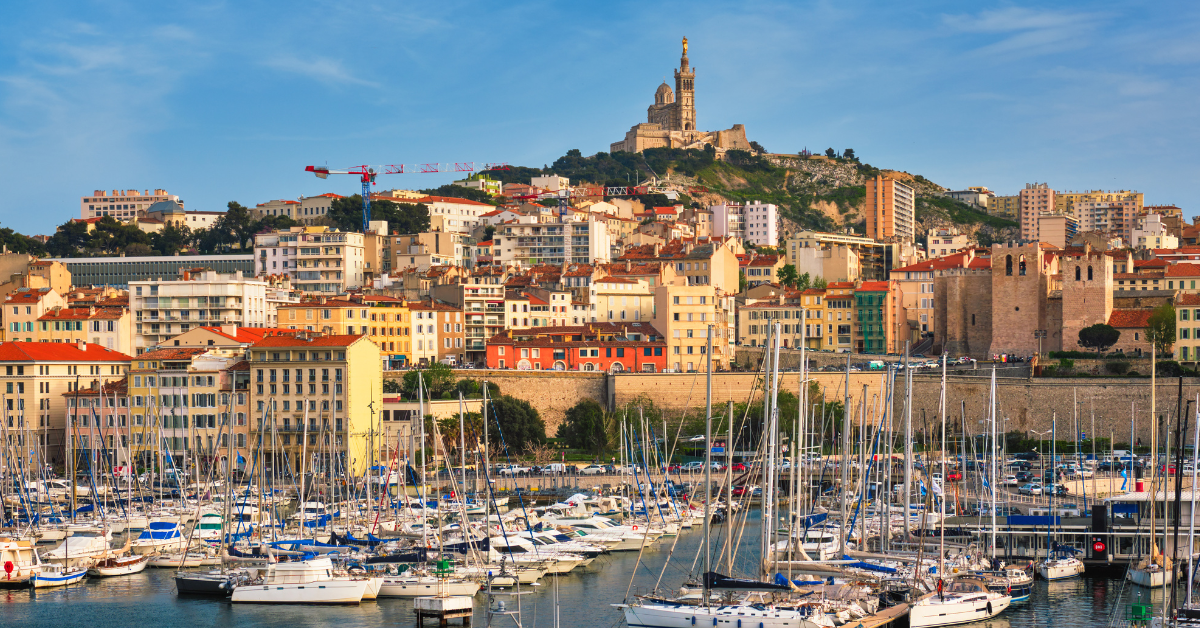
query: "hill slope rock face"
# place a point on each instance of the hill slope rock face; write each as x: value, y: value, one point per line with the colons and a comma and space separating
x: 816, y: 192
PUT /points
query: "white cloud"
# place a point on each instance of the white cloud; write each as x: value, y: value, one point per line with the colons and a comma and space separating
x: 320, y: 69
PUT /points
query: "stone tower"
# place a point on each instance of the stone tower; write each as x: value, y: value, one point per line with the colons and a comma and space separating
x: 1087, y: 294
x: 685, y: 93
x: 1020, y: 287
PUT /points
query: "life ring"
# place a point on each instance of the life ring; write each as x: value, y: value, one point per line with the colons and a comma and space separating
x: 635, y: 528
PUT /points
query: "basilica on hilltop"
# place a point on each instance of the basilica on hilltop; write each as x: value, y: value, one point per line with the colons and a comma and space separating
x: 671, y: 120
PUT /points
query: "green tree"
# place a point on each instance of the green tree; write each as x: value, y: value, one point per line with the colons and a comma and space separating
x: 170, y: 239
x: 137, y: 249
x: 787, y: 275
x: 1160, y: 329
x: 830, y: 153
x: 585, y: 427
x: 820, y: 283
x: 520, y: 425
x: 69, y: 239
x: 346, y: 214
x: 18, y: 243
x: 239, y: 224
x: 438, y: 378
x: 391, y: 386
x: 849, y: 154
x: 803, y: 282
x: 742, y: 281
x: 1099, y: 337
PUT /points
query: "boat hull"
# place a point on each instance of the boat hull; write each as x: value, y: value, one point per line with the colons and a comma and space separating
x: 118, y: 567
x: 929, y: 612
x: 1150, y: 578
x: 324, y: 592
x: 684, y: 616
x: 400, y: 587
x: 56, y: 578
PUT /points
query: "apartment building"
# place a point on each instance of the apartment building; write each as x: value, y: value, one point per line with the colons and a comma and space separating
x: 33, y: 378
x: 620, y: 299
x: 755, y: 222
x: 109, y: 327
x: 813, y: 300
x: 943, y: 242
x: 316, y: 259
x: 536, y: 307
x: 1115, y: 218
x: 610, y: 347
x: 760, y: 269
x: 163, y: 309
x: 100, y: 427
x: 333, y: 383
x: 890, y: 209
x: 1057, y: 229
x: 1067, y: 202
x: 457, y: 215
x: 23, y: 308
x: 839, y: 316
x: 123, y: 205
x: 683, y: 314
x: 559, y: 242
x: 427, y: 331
x: 431, y: 248
x: 831, y: 256
x: 1036, y: 199
x: 226, y: 336
x: 756, y: 319
x: 180, y: 401
x: 385, y: 320
x: 875, y: 305
x: 1005, y: 206
x: 1151, y: 232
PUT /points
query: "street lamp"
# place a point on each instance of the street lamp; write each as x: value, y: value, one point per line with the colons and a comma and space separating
x: 1039, y: 334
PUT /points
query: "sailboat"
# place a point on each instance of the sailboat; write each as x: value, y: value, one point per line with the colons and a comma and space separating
x: 1060, y: 562
x: 1158, y: 570
x: 962, y: 600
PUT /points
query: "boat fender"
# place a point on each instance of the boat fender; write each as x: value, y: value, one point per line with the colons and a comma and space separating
x: 989, y: 609
x: 693, y: 620
x: 1010, y: 589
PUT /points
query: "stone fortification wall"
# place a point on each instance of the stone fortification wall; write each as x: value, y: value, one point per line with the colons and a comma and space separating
x: 1030, y: 405
x: 686, y: 390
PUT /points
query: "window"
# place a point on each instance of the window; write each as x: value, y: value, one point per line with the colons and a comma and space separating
x: 1008, y: 265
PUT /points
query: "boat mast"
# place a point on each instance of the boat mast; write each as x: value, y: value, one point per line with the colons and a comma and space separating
x: 729, y: 494
x: 908, y: 446
x: 707, y: 467
x: 942, y: 488
x: 420, y: 491
x: 845, y: 457
x: 994, y: 457
x: 1192, y: 525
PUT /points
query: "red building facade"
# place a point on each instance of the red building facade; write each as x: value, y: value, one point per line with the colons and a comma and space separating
x: 612, y: 347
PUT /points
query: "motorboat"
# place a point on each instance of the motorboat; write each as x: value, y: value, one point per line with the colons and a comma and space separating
x: 83, y: 547
x: 159, y: 536
x: 20, y: 560
x: 208, y: 527
x: 178, y: 560
x: 961, y: 601
x: 301, y: 582
x: 1060, y: 568
x: 662, y: 613
x: 212, y: 583
x: 118, y: 566
x: 57, y: 577
x: 416, y: 585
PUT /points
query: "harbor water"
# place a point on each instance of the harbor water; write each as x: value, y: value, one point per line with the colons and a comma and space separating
x: 148, y: 599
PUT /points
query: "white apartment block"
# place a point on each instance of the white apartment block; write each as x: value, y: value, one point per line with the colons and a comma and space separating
x: 572, y: 242
x: 1151, y: 233
x: 165, y: 309
x: 551, y: 183
x: 454, y: 214
x: 753, y: 222
x: 316, y: 259
x: 121, y: 204
x: 943, y: 242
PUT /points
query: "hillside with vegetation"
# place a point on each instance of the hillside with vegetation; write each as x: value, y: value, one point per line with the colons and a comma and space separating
x: 821, y: 192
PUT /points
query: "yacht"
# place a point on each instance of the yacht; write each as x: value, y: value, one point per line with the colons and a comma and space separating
x: 662, y: 613
x: 1060, y: 568
x: 83, y: 547
x: 209, y: 527
x: 961, y: 601
x: 159, y: 536
x: 301, y: 582
x: 118, y: 566
x: 20, y: 560
x: 415, y: 585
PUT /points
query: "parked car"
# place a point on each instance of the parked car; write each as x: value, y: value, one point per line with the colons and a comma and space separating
x: 512, y: 470
x: 738, y: 491
x: 1031, y: 489
x: 593, y: 469
x: 694, y: 466
x: 673, y: 468
x: 739, y: 467
x: 1011, y: 480
x: 1024, y: 476
x: 954, y: 476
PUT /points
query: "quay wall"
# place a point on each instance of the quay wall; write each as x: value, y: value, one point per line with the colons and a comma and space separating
x: 1027, y: 405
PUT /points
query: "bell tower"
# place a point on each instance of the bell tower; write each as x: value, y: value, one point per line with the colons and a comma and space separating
x: 685, y: 103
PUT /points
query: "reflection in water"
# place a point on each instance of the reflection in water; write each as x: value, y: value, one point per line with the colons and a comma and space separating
x: 148, y: 600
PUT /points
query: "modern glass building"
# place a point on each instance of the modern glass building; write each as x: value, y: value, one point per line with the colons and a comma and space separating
x: 119, y: 271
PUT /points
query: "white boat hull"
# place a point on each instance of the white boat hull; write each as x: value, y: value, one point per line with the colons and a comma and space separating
x: 1060, y: 569
x: 105, y: 569
x: 323, y: 592
x: 416, y: 587
x: 56, y: 578
x: 1150, y: 578
x: 670, y: 616
x: 931, y: 612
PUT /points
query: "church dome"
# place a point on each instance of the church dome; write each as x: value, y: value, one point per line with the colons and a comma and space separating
x: 664, y: 95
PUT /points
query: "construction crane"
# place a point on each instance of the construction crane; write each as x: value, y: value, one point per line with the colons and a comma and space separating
x: 367, y: 176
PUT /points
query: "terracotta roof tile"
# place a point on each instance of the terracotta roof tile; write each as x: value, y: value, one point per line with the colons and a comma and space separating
x: 1130, y: 319
x: 57, y: 352
x: 173, y: 353
x: 318, y: 341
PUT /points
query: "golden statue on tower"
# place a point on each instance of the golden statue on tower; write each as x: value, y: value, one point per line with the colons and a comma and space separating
x: 685, y: 46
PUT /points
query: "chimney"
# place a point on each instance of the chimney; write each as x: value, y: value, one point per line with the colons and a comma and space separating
x: 628, y: 265
x: 229, y: 330
x: 82, y: 345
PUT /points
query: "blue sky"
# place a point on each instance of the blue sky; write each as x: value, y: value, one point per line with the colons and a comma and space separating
x: 229, y: 101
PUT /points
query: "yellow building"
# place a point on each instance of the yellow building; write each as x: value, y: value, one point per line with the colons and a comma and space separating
x: 23, y: 308
x: 813, y: 300
x: 682, y: 315
x: 385, y: 320
x: 105, y: 326
x: 1065, y: 202
x: 179, y: 399
x: 332, y: 382
x: 1004, y: 206
x: 839, y: 316
x: 33, y: 379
